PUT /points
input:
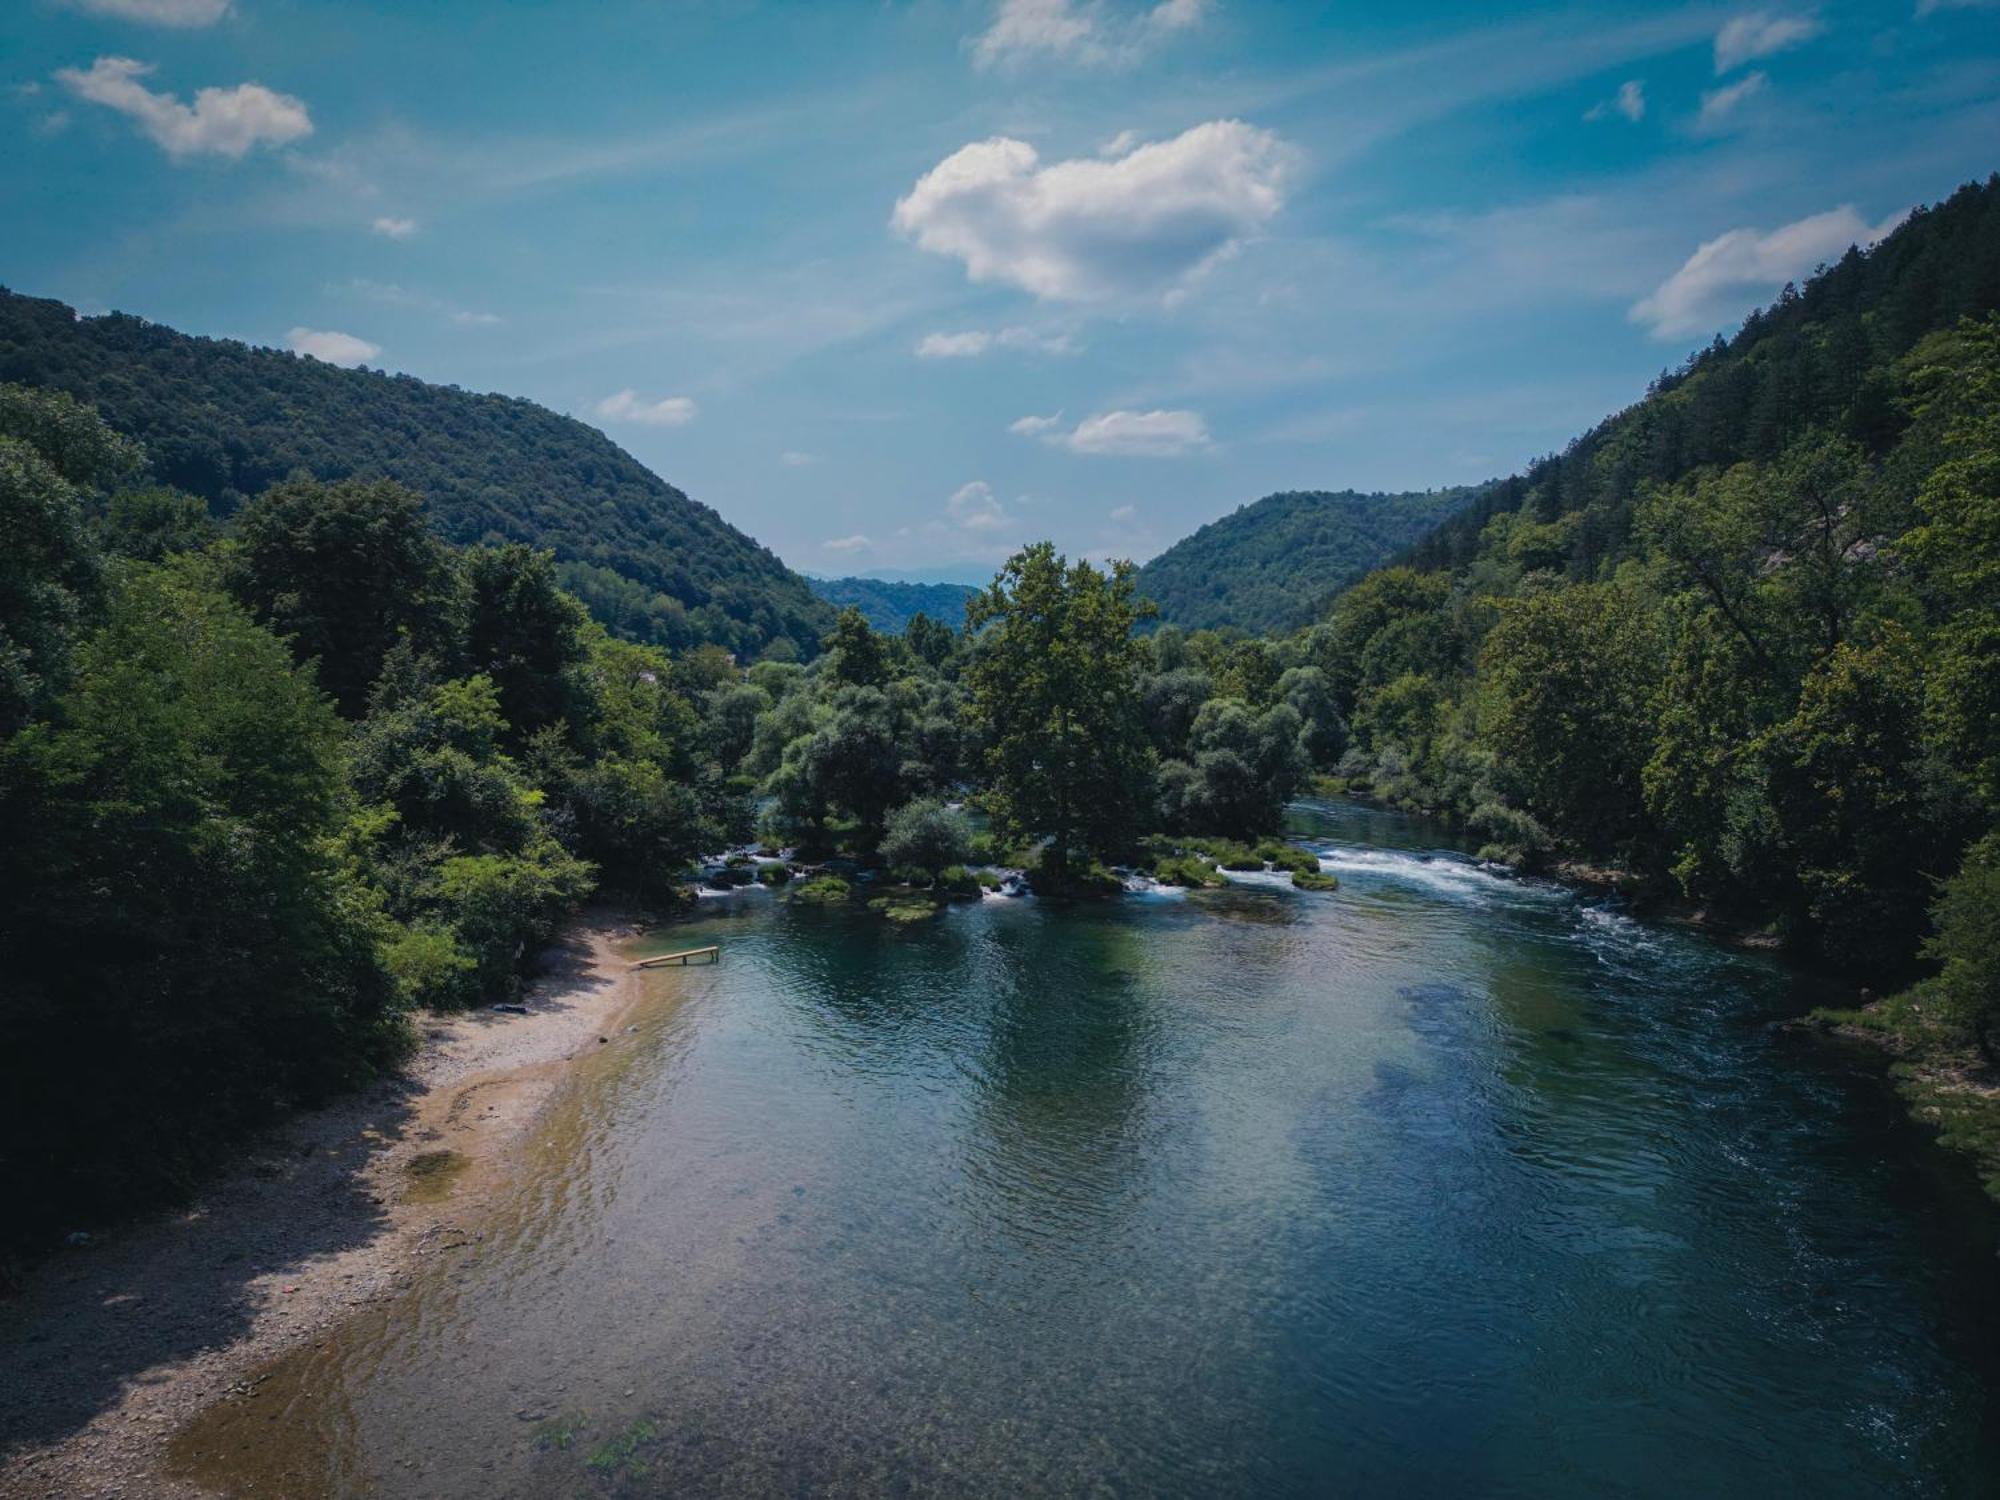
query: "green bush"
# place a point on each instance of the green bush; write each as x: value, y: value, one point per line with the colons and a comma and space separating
x: 959, y: 882
x: 1314, y: 880
x: 824, y: 889
x: 774, y: 872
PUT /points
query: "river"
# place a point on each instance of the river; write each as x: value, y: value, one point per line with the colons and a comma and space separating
x: 1446, y: 1184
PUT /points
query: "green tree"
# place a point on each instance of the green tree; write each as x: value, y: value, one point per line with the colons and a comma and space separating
x: 173, y: 903
x: 523, y: 632
x: 1568, y: 678
x: 345, y: 571
x: 926, y: 835
x: 1055, y: 697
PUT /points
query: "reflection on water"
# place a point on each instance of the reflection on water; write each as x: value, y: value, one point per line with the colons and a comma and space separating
x: 1448, y: 1183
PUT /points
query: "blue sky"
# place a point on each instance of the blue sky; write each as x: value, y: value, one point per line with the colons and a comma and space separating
x: 902, y: 285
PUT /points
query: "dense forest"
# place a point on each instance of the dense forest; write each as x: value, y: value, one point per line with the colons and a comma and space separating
x: 1274, y: 564
x: 224, y: 421
x: 889, y: 604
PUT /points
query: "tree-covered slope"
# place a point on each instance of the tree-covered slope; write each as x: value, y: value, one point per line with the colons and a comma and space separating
x: 1271, y: 565
x: 889, y: 605
x: 224, y: 420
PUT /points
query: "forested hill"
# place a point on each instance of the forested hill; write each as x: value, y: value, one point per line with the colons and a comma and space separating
x: 890, y: 605
x: 1818, y: 358
x: 1743, y: 637
x: 224, y: 421
x: 1273, y: 564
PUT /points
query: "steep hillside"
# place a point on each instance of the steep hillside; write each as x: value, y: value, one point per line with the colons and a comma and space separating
x: 224, y: 420
x: 889, y: 605
x: 1272, y: 564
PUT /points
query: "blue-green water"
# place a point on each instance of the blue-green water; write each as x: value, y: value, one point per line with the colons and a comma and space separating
x: 1448, y: 1184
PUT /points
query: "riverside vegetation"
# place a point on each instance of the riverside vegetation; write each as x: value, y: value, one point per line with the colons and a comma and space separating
x: 279, y: 769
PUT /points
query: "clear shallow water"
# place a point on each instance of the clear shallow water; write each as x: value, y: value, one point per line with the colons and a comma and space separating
x: 1447, y: 1184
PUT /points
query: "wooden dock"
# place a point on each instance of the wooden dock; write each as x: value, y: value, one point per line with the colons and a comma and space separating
x: 713, y: 954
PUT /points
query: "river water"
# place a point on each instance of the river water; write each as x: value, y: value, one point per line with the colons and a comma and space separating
x: 1446, y: 1184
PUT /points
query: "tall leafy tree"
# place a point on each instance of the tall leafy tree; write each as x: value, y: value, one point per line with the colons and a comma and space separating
x: 345, y: 571
x: 1055, y: 697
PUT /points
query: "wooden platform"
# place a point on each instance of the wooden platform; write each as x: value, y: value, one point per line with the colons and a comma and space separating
x: 713, y: 954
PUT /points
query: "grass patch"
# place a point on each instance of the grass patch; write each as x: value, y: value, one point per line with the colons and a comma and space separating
x: 774, y: 872
x: 1314, y: 880
x: 907, y: 905
x: 1187, y: 870
x: 826, y: 890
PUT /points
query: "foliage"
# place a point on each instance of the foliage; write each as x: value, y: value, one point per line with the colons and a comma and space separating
x: 1054, y: 697
x: 892, y: 607
x: 225, y: 421
x: 1271, y: 565
x: 926, y: 835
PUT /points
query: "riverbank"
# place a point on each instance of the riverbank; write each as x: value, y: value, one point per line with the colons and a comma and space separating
x: 112, y: 1345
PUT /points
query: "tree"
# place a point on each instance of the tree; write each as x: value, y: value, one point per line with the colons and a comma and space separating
x: 345, y: 571
x: 1055, y: 696
x: 523, y: 632
x: 857, y: 656
x: 1568, y: 681
x: 926, y: 835
x: 171, y: 894
x: 52, y: 452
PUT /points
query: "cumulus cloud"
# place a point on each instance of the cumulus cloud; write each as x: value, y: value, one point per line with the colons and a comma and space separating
x: 977, y: 341
x: 221, y: 122
x: 1719, y: 106
x: 975, y: 507
x: 333, y: 347
x: 395, y: 229
x: 855, y: 543
x: 1761, y: 33
x: 158, y: 12
x: 1093, y: 33
x: 630, y: 406
x: 1123, y: 434
x: 1090, y: 229
x: 1731, y: 272
x: 1629, y: 101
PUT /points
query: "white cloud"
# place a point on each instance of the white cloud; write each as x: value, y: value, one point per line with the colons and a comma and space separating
x: 332, y: 347
x: 221, y: 122
x: 1730, y: 273
x: 466, y: 318
x: 158, y: 12
x: 1719, y: 106
x: 855, y: 543
x: 792, y: 459
x: 1088, y: 32
x: 1629, y: 101
x: 1123, y: 434
x: 967, y: 345
x: 977, y: 341
x: 630, y: 406
x: 975, y: 507
x: 395, y: 229
x: 1089, y: 229
x: 1125, y: 513
x: 1932, y: 7
x: 1761, y: 33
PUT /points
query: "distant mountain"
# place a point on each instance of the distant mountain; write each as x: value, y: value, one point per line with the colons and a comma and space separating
x: 889, y: 604
x: 223, y: 420
x: 977, y: 575
x: 1270, y: 565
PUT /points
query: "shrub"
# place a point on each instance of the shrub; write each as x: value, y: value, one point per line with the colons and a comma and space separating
x: 824, y: 889
x: 927, y: 835
x: 1315, y: 880
x: 774, y: 872
x: 957, y: 881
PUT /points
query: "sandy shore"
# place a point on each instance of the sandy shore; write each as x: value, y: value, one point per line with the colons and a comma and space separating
x: 112, y: 1346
